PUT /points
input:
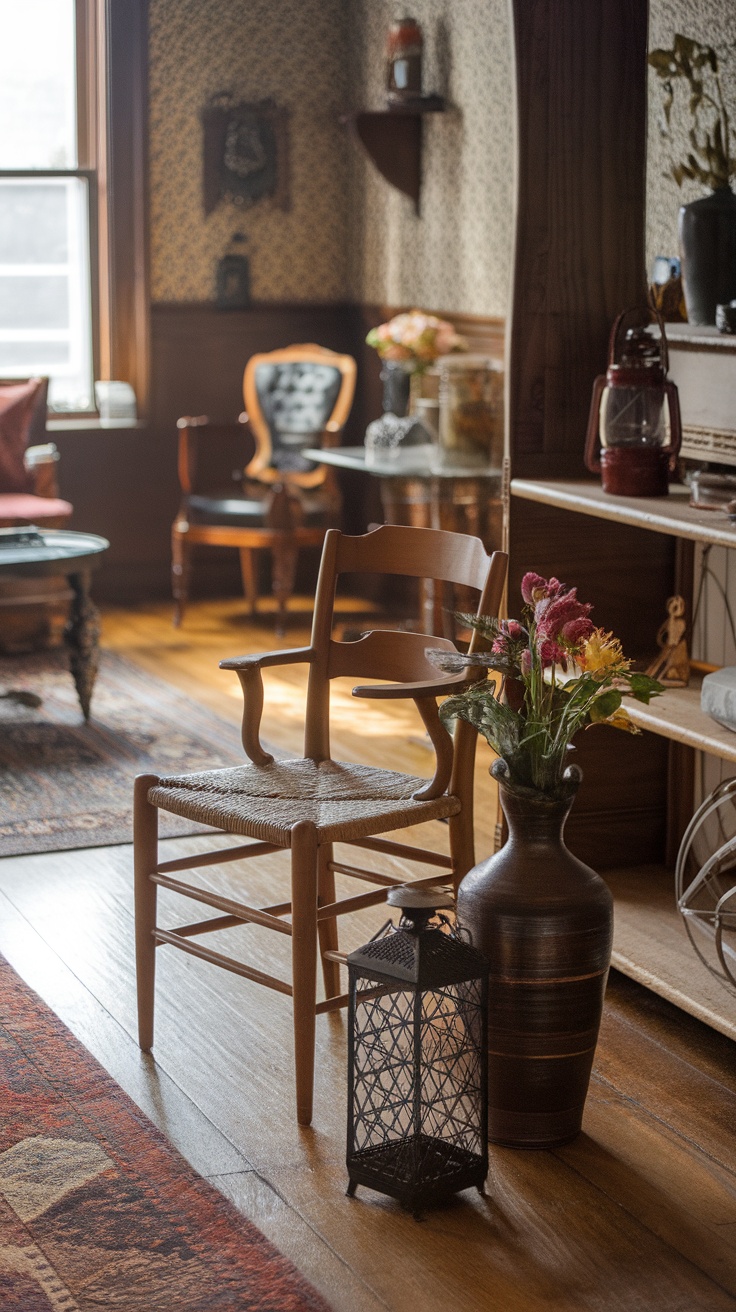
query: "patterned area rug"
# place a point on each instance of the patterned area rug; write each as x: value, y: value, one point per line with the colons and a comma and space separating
x: 64, y: 783
x: 97, y: 1210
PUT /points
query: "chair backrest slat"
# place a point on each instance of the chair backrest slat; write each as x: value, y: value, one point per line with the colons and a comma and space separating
x: 396, y: 549
x: 386, y: 654
x: 396, y: 656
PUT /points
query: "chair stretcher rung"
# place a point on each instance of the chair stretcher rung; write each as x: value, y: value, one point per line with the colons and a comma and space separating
x: 390, y: 848
x: 225, y: 904
x: 348, y: 904
x: 332, y: 1004
x: 217, y: 959
x: 207, y: 926
x: 340, y: 957
x: 196, y: 859
x: 370, y: 876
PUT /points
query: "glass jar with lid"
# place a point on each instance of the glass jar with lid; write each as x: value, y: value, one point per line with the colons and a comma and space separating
x: 471, y: 411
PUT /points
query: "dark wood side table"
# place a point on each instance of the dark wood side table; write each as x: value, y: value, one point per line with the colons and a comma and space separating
x: 417, y: 489
x: 73, y: 556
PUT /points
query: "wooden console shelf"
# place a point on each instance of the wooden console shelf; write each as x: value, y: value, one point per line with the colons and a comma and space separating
x: 650, y: 944
x: 650, y: 940
x: 672, y: 514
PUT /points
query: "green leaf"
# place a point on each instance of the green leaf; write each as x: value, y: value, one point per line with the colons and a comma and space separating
x: 605, y: 705
x: 642, y: 687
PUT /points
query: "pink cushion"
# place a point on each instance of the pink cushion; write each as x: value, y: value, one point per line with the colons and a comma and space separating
x: 31, y: 510
x: 17, y: 409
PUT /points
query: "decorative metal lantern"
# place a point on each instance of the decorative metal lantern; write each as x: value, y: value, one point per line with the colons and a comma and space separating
x: 634, y: 429
x: 417, y: 1057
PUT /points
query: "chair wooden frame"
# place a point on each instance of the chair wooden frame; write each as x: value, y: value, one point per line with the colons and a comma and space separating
x: 283, y: 532
x: 314, y: 907
x: 309, y: 353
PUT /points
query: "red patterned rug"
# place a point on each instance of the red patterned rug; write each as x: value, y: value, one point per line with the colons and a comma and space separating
x: 97, y: 1210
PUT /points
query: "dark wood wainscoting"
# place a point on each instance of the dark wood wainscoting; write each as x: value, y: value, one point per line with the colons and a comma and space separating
x: 123, y: 483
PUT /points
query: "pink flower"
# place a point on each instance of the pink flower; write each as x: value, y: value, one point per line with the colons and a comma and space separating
x: 535, y: 589
x: 551, y: 653
x: 559, y: 612
x: 532, y: 583
x: 576, y: 631
x: 514, y: 630
x: 526, y: 661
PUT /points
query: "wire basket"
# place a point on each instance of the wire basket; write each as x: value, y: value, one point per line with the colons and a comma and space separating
x: 705, y: 882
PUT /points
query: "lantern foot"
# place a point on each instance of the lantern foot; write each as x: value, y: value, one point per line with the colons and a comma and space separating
x: 350, y: 1191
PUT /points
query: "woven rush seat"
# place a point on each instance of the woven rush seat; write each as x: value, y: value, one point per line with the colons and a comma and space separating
x: 264, y: 801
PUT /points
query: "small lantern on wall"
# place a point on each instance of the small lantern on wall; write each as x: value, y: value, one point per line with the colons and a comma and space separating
x: 634, y: 429
x: 417, y: 1057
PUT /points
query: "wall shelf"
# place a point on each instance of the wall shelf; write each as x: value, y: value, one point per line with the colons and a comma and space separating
x: 672, y: 514
x: 392, y: 138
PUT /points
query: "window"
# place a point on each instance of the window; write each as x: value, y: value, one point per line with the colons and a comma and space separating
x: 47, y: 194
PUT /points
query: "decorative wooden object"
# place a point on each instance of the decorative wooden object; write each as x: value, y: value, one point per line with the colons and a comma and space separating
x: 308, y: 805
x: 672, y: 666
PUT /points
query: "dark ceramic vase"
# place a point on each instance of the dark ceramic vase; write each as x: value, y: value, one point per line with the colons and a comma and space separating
x: 545, y: 923
x: 708, y: 249
x: 396, y: 388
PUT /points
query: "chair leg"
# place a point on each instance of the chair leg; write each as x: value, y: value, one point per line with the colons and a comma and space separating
x: 285, y: 554
x: 248, y: 574
x: 181, y: 571
x: 327, y: 929
x: 304, y: 860
x: 145, y: 847
x: 462, y: 846
x: 284, y: 515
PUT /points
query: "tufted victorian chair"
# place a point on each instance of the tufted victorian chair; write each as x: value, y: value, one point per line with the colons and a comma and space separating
x: 255, y: 489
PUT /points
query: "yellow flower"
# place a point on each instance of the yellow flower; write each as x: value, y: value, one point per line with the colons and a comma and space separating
x: 602, y: 654
x: 621, y: 720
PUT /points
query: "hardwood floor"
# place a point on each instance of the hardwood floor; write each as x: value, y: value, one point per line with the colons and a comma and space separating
x: 639, y: 1214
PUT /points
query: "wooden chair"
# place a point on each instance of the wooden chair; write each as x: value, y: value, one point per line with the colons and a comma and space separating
x: 294, y: 398
x: 312, y: 803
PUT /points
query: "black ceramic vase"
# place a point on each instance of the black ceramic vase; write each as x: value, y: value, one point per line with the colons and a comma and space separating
x: 544, y: 920
x: 708, y: 249
x: 396, y: 388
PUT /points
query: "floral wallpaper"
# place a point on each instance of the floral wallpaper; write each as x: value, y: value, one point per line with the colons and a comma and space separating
x: 348, y: 234
x: 712, y: 22
x: 457, y: 254
x: 293, y: 51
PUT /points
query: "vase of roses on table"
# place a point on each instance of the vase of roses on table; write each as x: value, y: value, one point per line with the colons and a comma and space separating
x: 543, y: 919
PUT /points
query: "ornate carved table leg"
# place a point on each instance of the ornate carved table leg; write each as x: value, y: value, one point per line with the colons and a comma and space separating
x: 82, y: 637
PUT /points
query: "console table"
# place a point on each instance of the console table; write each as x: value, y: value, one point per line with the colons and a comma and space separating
x: 417, y: 489
x: 73, y: 556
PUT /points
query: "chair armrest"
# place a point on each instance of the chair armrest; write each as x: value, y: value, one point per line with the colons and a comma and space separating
x: 331, y: 434
x: 248, y: 670
x: 432, y: 688
x: 260, y: 660
x: 189, y: 426
x: 45, y: 453
x: 41, y: 462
